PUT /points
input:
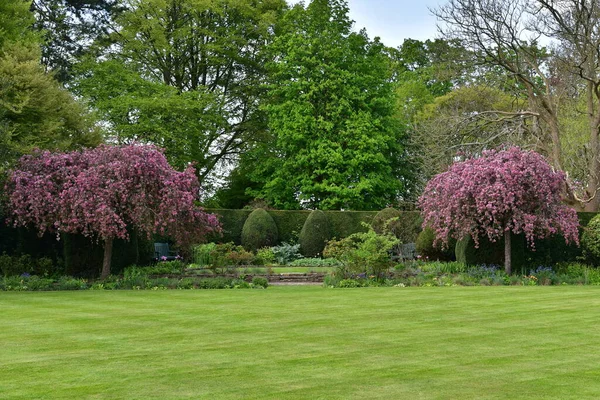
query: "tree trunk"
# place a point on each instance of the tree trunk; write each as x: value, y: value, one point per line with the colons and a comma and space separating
x: 108, y: 247
x: 507, y: 251
x: 594, y: 167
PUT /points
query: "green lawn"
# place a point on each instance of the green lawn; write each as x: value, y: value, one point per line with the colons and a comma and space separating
x: 303, y: 343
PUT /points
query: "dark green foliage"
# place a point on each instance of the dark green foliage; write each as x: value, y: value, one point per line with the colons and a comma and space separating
x: 259, y: 230
x: 492, y: 252
x: 175, y: 267
x: 590, y: 241
x: 232, y: 222
x: 289, y: 223
x: 405, y: 226
x: 425, y: 248
x: 83, y: 257
x: 315, y: 234
x: 70, y: 27
x: 382, y: 222
x: 260, y: 282
x: 26, y: 264
x: 70, y: 283
x: 345, y: 223
x: 549, y: 251
x: 228, y: 254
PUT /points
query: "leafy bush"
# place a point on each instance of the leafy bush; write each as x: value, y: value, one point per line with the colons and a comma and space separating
x: 578, y: 273
x: 315, y: 262
x: 259, y: 230
x: 367, y: 253
x: 202, y: 253
x: 15, y: 266
x: 349, y: 283
x: 166, y: 268
x: 590, y: 241
x: 425, y: 248
x: 186, y: 283
x: 286, y: 253
x: 444, y: 267
x: 265, y: 256
x: 258, y: 281
x: 36, y: 283
x: 45, y: 267
x: 25, y: 264
x: 314, y: 234
x: 228, y: 254
x: 70, y: 283
x: 162, y: 283
x: 26, y: 282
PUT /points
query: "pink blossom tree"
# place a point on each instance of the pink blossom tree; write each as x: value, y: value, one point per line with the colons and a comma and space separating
x: 498, y: 193
x: 101, y: 192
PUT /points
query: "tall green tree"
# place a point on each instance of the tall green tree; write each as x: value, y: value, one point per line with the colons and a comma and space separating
x: 506, y: 34
x: 69, y: 28
x: 336, y: 143
x: 35, y: 110
x: 187, y: 75
x: 15, y: 22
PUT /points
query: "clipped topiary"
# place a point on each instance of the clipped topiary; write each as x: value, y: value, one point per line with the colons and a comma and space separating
x: 259, y: 230
x: 424, y: 247
x: 405, y: 226
x: 590, y: 241
x: 314, y: 234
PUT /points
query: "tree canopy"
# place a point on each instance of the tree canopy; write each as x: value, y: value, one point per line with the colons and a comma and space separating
x: 499, y: 193
x: 336, y: 143
x: 104, y: 192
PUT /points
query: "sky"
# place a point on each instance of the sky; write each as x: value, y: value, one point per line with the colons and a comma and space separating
x: 394, y: 20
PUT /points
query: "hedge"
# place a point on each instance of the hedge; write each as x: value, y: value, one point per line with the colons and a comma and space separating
x: 75, y: 254
x: 290, y: 222
x: 547, y: 251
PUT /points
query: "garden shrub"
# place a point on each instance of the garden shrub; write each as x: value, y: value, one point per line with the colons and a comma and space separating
x: 265, y: 256
x: 315, y: 262
x: 314, y: 234
x: 228, y: 254
x: 166, y: 268
x: 260, y: 282
x: 367, y: 253
x: 426, y: 249
x: 259, y: 230
x: 26, y: 264
x: 70, y: 283
x: 590, y: 241
x: 349, y: 283
x: 286, y: 253
x: 202, y: 254
x: 290, y: 222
